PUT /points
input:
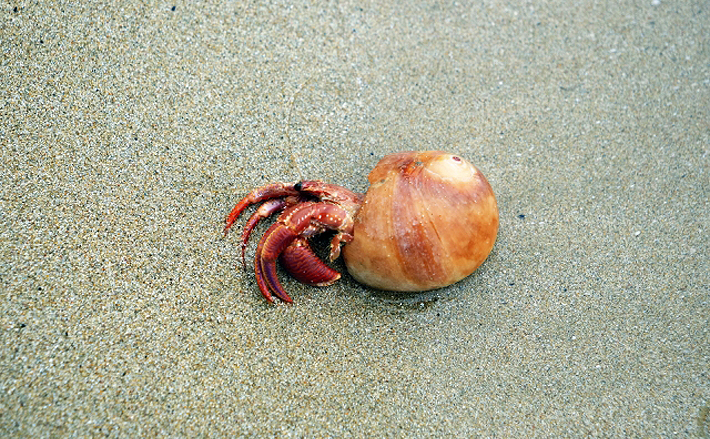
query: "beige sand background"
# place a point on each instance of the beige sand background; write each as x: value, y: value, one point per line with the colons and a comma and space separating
x: 129, y: 130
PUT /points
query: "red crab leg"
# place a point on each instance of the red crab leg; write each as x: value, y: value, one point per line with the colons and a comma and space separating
x: 275, y: 190
x: 286, y: 230
x: 300, y: 261
x: 264, y: 211
x: 272, y: 243
x: 339, y: 238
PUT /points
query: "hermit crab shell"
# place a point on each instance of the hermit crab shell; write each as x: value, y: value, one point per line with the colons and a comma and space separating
x: 429, y: 219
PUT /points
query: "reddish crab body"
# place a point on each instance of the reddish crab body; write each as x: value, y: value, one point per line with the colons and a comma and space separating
x: 307, y: 208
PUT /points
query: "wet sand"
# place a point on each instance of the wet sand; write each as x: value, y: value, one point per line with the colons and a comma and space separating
x: 129, y: 131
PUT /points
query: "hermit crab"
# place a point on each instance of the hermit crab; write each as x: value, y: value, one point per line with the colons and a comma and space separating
x: 428, y: 219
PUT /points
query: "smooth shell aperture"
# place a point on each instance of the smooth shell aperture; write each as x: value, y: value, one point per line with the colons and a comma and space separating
x: 429, y: 219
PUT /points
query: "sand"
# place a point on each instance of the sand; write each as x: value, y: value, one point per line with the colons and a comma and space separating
x: 128, y: 131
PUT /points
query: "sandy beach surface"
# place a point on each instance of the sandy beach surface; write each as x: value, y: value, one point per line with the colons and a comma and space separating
x: 129, y: 130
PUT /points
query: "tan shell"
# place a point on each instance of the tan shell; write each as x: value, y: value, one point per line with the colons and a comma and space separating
x: 429, y: 219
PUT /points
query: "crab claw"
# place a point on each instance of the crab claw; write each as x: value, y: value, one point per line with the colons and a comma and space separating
x: 300, y: 261
x: 299, y: 258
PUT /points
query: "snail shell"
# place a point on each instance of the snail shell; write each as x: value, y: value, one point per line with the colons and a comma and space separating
x: 429, y: 219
